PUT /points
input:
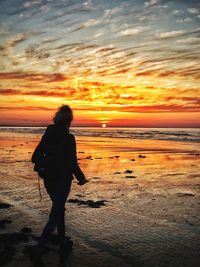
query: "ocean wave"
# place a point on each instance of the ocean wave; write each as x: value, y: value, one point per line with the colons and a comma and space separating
x: 185, y: 135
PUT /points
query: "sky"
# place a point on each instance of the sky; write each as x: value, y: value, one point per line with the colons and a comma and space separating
x: 119, y: 63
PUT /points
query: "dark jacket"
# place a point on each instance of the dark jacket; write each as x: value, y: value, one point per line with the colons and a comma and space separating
x: 59, y: 147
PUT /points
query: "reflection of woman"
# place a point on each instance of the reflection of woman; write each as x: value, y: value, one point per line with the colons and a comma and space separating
x: 58, y: 181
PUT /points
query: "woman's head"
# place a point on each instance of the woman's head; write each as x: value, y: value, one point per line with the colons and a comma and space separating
x: 63, y: 116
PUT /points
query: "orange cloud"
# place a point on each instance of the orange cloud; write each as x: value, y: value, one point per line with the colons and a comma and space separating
x: 37, y: 77
x: 41, y: 93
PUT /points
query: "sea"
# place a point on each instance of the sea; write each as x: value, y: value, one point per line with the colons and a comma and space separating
x: 173, y: 134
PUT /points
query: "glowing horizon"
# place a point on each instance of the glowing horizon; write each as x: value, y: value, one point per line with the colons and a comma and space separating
x: 116, y: 63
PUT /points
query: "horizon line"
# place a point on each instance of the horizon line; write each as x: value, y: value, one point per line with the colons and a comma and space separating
x: 112, y: 126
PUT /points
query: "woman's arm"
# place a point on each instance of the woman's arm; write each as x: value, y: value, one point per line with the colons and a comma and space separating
x: 76, y: 170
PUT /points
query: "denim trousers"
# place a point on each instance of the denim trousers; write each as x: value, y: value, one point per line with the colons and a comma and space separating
x: 58, y: 191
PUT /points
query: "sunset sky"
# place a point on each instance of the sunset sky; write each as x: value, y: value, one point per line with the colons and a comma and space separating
x: 120, y: 63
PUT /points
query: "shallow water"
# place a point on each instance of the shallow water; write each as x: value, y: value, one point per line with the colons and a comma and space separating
x: 173, y: 134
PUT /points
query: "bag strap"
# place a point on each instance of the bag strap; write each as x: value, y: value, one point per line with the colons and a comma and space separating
x: 39, y: 188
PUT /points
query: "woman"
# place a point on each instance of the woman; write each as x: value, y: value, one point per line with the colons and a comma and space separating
x: 59, y: 148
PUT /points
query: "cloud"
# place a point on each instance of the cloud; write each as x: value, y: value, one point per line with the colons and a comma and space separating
x: 154, y: 108
x: 127, y: 97
x: 9, y: 92
x: 84, y: 6
x: 32, y: 3
x: 50, y: 41
x: 188, y: 19
x: 88, y: 5
x: 151, y: 3
x: 132, y: 31
x: 64, y: 92
x: 193, y: 10
x: 148, y: 18
x: 106, y: 49
x: 187, y: 99
x: 87, y: 24
x: 177, y: 12
x: 190, y: 40
x: 34, y: 51
x: 121, y: 71
x: 90, y: 22
x: 36, y: 77
x: 167, y: 73
x: 124, y: 51
x: 160, y: 108
x: 67, y: 92
x: 99, y: 33
x: 50, y: 93
x: 171, y: 34
x: 145, y: 73
x: 84, y: 47
x: 28, y: 108
x: 116, y: 10
x: 14, y: 40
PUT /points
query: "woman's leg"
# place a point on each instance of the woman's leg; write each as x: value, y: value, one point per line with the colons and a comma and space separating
x: 58, y: 193
x: 61, y: 227
x: 61, y: 222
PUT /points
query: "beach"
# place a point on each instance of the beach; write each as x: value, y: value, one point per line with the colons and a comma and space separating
x: 140, y: 207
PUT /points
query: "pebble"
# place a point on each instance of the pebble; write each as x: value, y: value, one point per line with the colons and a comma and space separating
x: 4, y: 222
x: 180, y: 194
x: 128, y: 171
x: 89, y: 203
x: 141, y: 156
x: 4, y: 205
x: 89, y: 157
x: 26, y: 230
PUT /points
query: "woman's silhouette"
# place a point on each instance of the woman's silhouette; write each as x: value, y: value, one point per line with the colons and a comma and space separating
x: 59, y: 147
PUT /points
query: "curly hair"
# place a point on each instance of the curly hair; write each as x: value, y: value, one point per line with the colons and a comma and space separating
x: 63, y: 116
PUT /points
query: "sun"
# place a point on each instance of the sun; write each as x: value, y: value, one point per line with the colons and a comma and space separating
x: 103, y: 125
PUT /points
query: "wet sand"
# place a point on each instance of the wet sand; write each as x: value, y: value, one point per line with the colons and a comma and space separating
x: 140, y: 208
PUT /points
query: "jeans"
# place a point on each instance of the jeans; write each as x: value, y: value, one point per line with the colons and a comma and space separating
x: 58, y: 192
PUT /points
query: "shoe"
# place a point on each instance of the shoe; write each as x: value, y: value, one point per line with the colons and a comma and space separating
x: 40, y: 250
x: 65, y: 249
x: 66, y: 245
